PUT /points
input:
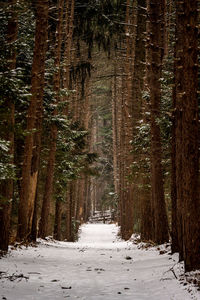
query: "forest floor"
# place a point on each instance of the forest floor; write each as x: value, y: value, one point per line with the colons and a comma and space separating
x: 98, y: 266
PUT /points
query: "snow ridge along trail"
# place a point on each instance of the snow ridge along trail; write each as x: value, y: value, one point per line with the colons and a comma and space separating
x: 98, y: 266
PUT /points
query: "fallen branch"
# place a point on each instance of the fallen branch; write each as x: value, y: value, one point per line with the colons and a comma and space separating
x: 172, y: 270
x: 13, y: 277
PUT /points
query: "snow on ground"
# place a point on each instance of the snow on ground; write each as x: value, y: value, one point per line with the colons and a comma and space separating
x: 98, y: 266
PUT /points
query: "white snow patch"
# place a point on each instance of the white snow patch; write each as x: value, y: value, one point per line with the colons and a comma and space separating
x: 98, y: 266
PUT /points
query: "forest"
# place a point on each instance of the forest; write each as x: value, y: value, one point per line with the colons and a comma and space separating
x: 99, y: 111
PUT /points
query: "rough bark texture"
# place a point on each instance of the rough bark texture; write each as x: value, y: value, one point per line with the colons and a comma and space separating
x: 146, y: 216
x: 175, y: 216
x: 35, y: 163
x: 6, y: 186
x: 68, y: 235
x: 115, y: 133
x: 187, y: 131
x: 156, y: 20
x: 146, y: 108
x: 174, y: 233
x: 58, y: 218
x: 37, y: 85
x: 48, y: 190
x: 142, y: 205
x: 128, y: 123
x: 68, y: 43
x: 34, y: 227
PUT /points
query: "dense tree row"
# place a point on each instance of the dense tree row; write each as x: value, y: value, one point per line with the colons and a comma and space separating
x: 44, y: 141
x: 56, y: 110
x: 155, y: 126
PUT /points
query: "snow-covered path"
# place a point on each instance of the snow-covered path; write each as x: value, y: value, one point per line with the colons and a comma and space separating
x: 98, y: 266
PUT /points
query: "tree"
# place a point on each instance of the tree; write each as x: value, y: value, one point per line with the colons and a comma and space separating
x: 43, y: 229
x: 128, y: 122
x: 187, y: 132
x: 26, y: 207
x: 7, y: 133
x: 154, y: 68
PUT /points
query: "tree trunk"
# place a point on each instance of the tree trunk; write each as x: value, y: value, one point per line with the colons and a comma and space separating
x: 37, y: 87
x: 35, y: 163
x: 115, y: 132
x: 156, y: 21
x: 58, y: 218
x: 48, y: 190
x: 44, y: 221
x: 34, y: 228
x: 6, y: 186
x: 187, y: 130
x: 142, y: 205
x: 68, y: 235
x: 146, y: 217
x: 68, y: 43
x: 175, y: 222
x: 128, y: 122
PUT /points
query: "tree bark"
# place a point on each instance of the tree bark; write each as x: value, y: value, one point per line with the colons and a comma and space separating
x: 142, y: 204
x: 68, y: 234
x: 187, y: 132
x: 128, y: 122
x: 44, y: 221
x: 6, y: 186
x: 174, y: 233
x: 34, y: 227
x: 115, y: 132
x: 58, y: 218
x: 37, y: 86
x: 156, y: 21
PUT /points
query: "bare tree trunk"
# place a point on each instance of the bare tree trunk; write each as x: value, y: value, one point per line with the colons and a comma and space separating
x: 44, y: 221
x: 34, y: 228
x: 175, y: 227
x: 48, y: 190
x: 142, y: 205
x: 146, y: 217
x: 128, y: 122
x: 37, y: 86
x: 58, y: 218
x: 115, y: 131
x: 187, y: 131
x: 68, y: 43
x: 68, y: 235
x: 73, y: 208
x: 35, y: 163
x: 178, y: 139
x: 122, y: 169
x: 119, y: 141
x: 146, y: 108
x: 156, y: 21
x: 6, y: 186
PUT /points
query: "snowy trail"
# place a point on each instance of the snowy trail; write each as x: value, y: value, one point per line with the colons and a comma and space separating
x: 94, y: 268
